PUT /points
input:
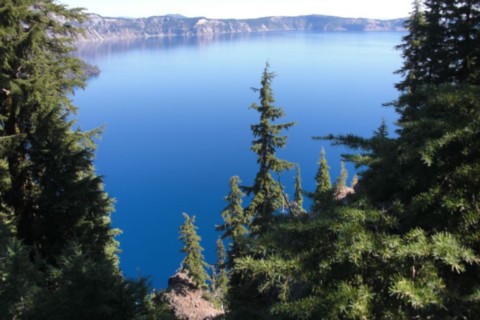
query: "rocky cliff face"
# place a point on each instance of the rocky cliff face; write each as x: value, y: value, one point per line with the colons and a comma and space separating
x: 188, y: 302
x: 102, y: 28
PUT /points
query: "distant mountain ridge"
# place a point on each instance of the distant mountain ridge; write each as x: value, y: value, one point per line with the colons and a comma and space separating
x: 99, y: 28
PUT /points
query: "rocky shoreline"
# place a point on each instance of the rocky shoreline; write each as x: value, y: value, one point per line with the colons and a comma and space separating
x: 98, y: 28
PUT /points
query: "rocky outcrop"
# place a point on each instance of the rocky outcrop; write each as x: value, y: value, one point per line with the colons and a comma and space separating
x: 188, y: 302
x: 102, y: 28
x: 89, y: 70
x: 342, y: 194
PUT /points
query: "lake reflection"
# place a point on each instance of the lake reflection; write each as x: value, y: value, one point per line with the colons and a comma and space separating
x: 97, y: 49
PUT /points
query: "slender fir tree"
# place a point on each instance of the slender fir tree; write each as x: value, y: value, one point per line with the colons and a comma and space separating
x: 235, y: 222
x: 464, y: 18
x: 298, y: 193
x: 267, y: 192
x: 341, y: 182
x: 323, y: 190
x: 193, y: 264
x: 413, y: 49
x: 354, y: 182
x: 221, y: 276
x: 448, y: 31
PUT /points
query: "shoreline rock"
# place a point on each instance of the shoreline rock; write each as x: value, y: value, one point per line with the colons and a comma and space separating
x: 98, y: 28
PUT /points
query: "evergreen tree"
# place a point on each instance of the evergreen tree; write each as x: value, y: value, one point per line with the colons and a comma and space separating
x: 425, y: 178
x: 88, y: 288
x: 341, y: 182
x: 464, y: 18
x: 54, y: 193
x: 436, y: 45
x: 267, y: 193
x: 298, y: 193
x: 323, y: 190
x: 221, y: 277
x: 49, y: 191
x: 354, y: 182
x: 408, y: 247
x: 235, y: 222
x: 448, y: 31
x: 193, y: 264
x: 412, y: 49
x: 378, y: 153
x: 19, y: 279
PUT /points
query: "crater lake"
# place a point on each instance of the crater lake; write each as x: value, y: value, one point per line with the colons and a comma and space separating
x: 177, y: 122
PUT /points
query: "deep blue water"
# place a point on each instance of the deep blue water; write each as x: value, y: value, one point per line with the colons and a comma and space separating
x: 177, y: 123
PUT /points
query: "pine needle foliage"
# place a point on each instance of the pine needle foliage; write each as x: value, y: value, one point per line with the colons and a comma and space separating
x: 193, y: 264
x: 235, y: 222
x: 425, y: 177
x: 323, y: 194
x: 51, y: 199
x: 221, y: 273
x: 341, y: 182
x: 408, y: 246
x: 354, y: 181
x: 297, y: 205
x: 375, y: 153
x: 267, y: 192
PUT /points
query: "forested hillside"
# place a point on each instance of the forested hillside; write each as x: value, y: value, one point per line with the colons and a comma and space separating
x: 402, y: 242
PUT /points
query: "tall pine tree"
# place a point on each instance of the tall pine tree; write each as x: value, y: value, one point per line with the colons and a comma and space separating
x: 193, y: 264
x: 323, y: 185
x: 49, y: 192
x: 297, y: 206
x: 341, y: 182
x: 221, y: 275
x: 235, y: 222
x: 54, y: 193
x: 267, y: 192
x: 412, y: 49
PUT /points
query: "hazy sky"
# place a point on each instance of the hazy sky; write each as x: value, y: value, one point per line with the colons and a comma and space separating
x: 380, y: 9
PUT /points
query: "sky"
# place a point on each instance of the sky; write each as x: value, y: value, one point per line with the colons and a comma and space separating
x: 241, y: 9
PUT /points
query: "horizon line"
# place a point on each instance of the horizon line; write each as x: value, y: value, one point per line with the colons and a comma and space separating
x: 261, y: 17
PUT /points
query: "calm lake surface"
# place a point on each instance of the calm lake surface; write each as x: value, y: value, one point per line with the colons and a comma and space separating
x: 177, y: 123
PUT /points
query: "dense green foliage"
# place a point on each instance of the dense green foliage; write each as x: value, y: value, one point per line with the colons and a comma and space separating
x: 267, y: 192
x: 235, y: 221
x: 57, y: 248
x: 341, y: 182
x: 194, y: 263
x: 220, y: 287
x: 323, y: 190
x: 407, y: 244
x: 297, y: 205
